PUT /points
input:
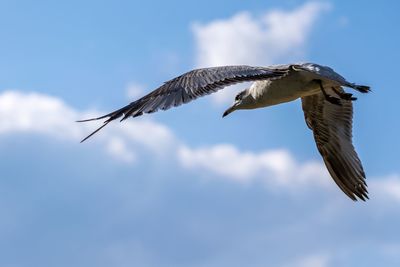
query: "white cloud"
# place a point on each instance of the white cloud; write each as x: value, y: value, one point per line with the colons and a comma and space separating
x: 255, y: 40
x: 134, y: 90
x: 153, y: 136
x: 386, y: 187
x: 277, y: 167
x: 317, y: 260
x: 247, y: 39
x: 274, y: 167
x: 37, y: 113
x: 50, y: 116
x: 46, y: 115
x: 118, y: 148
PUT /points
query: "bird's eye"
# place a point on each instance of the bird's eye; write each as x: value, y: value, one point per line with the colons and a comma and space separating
x: 237, y: 97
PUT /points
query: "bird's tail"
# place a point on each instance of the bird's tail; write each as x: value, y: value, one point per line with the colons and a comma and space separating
x: 361, y: 88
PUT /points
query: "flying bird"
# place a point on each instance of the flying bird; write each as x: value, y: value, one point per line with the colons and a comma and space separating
x: 328, y: 109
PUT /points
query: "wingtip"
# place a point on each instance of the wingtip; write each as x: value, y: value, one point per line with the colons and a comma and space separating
x: 85, y: 120
x: 86, y: 138
x: 93, y: 119
x: 361, y: 196
x: 98, y: 129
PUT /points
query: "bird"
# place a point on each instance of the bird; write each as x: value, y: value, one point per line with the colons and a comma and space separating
x: 327, y: 107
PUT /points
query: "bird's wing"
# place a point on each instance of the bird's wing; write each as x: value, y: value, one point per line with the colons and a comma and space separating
x: 332, y: 128
x: 327, y: 73
x: 190, y: 86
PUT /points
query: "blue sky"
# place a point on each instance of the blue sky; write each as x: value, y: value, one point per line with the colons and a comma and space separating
x: 186, y: 187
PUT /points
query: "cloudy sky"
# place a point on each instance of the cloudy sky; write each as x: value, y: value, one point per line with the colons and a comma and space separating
x: 186, y: 187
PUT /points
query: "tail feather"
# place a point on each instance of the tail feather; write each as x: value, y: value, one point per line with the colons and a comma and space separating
x: 361, y: 88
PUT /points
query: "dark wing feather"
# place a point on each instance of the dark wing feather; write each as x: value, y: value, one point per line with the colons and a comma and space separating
x: 332, y: 128
x: 190, y: 86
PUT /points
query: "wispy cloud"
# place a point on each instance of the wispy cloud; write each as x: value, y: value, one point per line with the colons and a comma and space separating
x: 315, y: 260
x: 50, y: 116
x: 40, y: 114
x: 118, y: 148
x: 134, y: 90
x: 387, y: 187
x: 275, y: 36
x: 37, y: 113
x: 277, y: 167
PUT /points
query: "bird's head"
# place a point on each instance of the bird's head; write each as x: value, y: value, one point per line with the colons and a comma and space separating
x: 243, y: 100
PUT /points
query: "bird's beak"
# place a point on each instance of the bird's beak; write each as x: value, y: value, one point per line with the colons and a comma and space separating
x: 230, y: 110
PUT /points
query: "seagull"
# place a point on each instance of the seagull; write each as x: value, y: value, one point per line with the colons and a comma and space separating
x: 328, y: 109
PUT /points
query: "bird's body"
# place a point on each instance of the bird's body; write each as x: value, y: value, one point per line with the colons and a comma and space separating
x: 327, y: 107
x: 289, y: 88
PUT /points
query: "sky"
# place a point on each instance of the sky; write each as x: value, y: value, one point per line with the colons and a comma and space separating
x: 185, y: 187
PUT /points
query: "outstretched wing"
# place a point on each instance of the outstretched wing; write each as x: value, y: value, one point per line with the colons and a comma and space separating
x: 188, y: 87
x: 332, y: 128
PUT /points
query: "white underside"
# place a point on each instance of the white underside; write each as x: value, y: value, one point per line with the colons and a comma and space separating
x: 296, y: 85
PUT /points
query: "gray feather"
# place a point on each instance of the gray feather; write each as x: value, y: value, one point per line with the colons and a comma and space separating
x: 332, y: 128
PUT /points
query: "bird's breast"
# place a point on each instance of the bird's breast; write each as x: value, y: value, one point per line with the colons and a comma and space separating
x: 273, y: 92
